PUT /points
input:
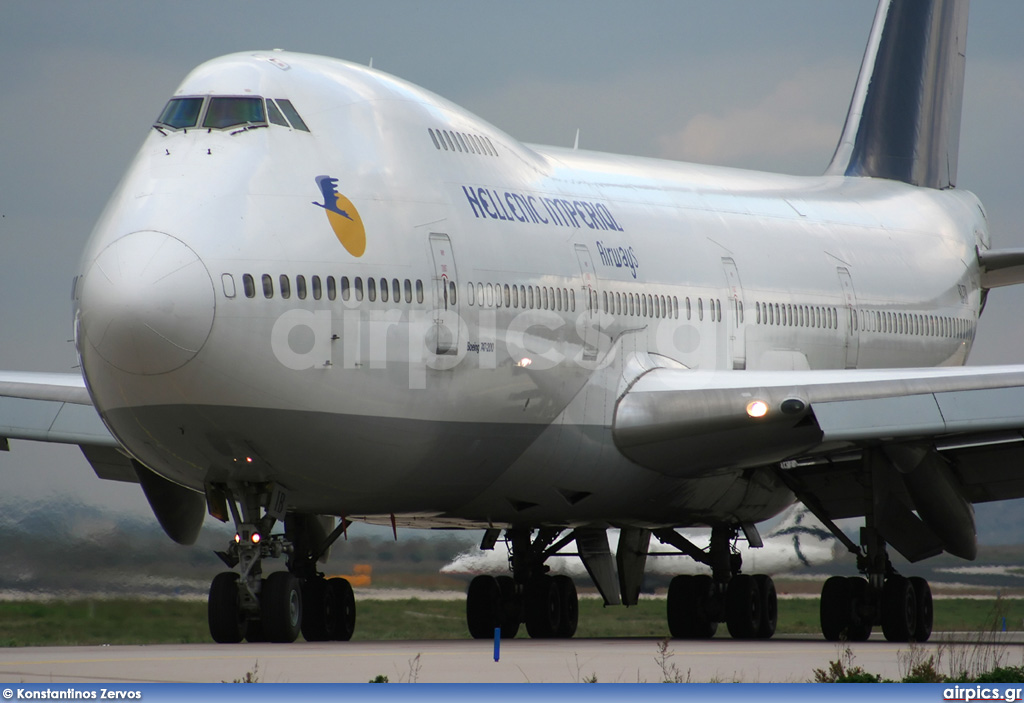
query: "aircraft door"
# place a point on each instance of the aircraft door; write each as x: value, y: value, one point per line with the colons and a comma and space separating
x: 444, y: 337
x: 850, y: 303
x: 737, y: 338
x: 590, y: 299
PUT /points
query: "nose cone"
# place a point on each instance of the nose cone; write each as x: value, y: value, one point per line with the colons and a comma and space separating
x: 147, y: 304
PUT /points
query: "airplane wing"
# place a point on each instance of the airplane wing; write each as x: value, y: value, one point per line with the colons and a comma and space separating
x: 892, y: 441
x: 55, y: 407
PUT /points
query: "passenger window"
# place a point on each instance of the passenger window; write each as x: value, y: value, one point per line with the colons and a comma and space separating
x: 181, y: 113
x: 419, y: 291
x: 700, y: 309
x: 268, y: 286
x: 371, y: 289
x: 490, y: 295
x: 529, y: 295
x: 508, y: 296
x: 359, y: 288
x: 249, y: 286
x: 300, y: 287
x: 383, y: 290
x: 227, y: 282
x: 480, y: 293
x: 471, y: 296
x: 515, y: 296
x: 572, y: 300
x: 408, y: 291
x: 434, y: 139
x: 286, y: 287
x: 317, y: 289
x: 544, y: 296
x: 396, y: 290
x: 497, y: 295
x: 345, y: 291
x: 452, y: 293
x: 293, y: 116
x: 332, y: 288
x: 231, y: 112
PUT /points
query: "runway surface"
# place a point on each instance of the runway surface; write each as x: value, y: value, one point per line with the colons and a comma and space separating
x: 521, y: 661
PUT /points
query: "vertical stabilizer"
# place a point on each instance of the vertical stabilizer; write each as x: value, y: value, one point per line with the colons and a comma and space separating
x: 904, y: 119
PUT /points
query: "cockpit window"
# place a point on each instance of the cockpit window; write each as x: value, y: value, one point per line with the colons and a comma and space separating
x: 292, y: 115
x: 230, y: 112
x: 181, y: 113
x: 275, y: 115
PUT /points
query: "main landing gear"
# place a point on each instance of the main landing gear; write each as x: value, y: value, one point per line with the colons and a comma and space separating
x: 852, y: 606
x: 243, y: 604
x: 747, y: 604
x: 547, y: 605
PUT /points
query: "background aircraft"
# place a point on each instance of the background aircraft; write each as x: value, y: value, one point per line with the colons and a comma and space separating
x: 797, y: 541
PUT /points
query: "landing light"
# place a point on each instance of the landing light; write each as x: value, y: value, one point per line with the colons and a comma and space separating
x: 524, y: 362
x: 255, y: 538
x: 757, y: 408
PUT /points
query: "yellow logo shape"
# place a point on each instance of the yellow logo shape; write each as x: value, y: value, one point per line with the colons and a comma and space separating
x: 343, y: 216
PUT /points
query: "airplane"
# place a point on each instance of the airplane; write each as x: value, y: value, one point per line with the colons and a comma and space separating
x: 797, y: 541
x: 322, y: 294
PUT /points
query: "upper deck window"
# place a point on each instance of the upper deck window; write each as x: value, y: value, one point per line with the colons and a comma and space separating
x: 231, y: 112
x: 181, y: 113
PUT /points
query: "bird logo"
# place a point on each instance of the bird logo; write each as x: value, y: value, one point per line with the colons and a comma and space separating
x: 342, y: 214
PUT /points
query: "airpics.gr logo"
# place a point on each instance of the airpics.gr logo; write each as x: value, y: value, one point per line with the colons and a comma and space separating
x: 342, y: 214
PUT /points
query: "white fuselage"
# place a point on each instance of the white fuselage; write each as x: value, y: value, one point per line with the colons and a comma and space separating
x: 348, y: 403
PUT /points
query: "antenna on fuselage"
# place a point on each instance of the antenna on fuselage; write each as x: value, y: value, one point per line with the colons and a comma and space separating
x: 576, y: 143
x: 371, y: 62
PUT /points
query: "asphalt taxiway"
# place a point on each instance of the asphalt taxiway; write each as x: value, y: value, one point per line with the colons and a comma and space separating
x: 521, y: 660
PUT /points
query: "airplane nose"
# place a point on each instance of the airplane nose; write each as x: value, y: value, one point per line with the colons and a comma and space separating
x: 147, y: 303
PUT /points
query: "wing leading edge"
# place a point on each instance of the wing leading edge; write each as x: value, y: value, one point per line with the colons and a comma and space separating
x: 913, y: 447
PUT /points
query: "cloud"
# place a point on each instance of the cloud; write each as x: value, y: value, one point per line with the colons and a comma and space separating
x: 788, y: 128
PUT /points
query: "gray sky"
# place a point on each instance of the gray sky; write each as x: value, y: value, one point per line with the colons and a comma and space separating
x: 750, y: 84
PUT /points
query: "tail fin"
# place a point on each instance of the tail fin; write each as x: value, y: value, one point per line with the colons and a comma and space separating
x: 904, y: 118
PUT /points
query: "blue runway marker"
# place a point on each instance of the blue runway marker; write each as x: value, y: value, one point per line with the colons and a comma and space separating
x: 497, y: 643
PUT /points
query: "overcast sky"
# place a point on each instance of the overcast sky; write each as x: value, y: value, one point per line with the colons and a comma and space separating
x: 750, y: 84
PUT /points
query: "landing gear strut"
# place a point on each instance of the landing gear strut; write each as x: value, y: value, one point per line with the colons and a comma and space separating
x: 548, y: 605
x: 244, y: 605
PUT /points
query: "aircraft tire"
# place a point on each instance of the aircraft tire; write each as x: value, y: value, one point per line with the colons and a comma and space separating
x: 899, y: 609
x: 315, y: 607
x: 510, y: 616
x: 483, y: 607
x: 570, y: 606
x: 688, y: 598
x: 543, y: 607
x: 769, y: 606
x: 341, y: 610
x: 925, y: 612
x: 743, y: 607
x: 858, y: 623
x: 281, y: 607
x: 224, y: 610
x: 834, y: 609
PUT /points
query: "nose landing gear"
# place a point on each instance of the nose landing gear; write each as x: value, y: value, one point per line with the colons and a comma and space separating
x: 243, y: 604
